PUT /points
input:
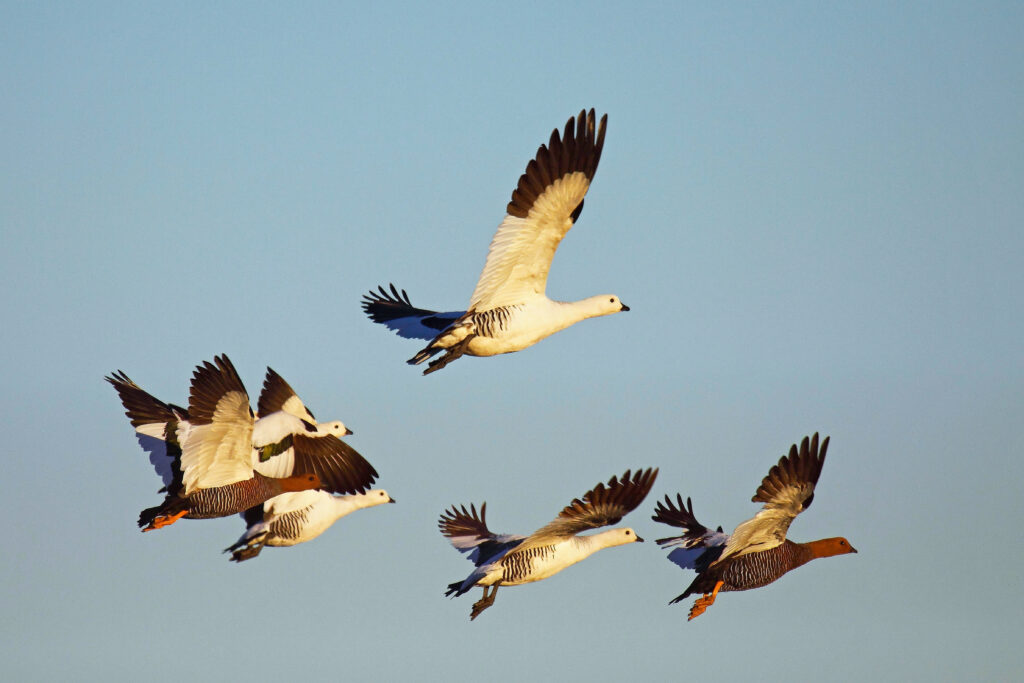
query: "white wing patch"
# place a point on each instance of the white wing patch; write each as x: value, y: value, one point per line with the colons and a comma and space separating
x: 295, y: 406
x: 520, y: 255
x: 219, y: 453
x: 767, y: 529
x: 279, y: 466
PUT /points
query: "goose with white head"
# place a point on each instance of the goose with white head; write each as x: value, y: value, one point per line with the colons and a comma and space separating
x: 510, y: 310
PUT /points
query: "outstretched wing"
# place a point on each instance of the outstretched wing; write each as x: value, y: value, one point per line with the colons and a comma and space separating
x: 218, y: 449
x: 600, y: 506
x: 278, y: 395
x: 786, y: 492
x: 340, y: 467
x: 546, y: 203
x: 156, y: 425
x: 468, y: 532
x: 397, y: 313
x: 141, y: 407
x: 698, y: 547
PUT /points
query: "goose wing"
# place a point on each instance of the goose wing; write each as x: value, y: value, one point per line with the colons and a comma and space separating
x: 218, y: 448
x: 600, y: 506
x: 468, y: 532
x: 545, y: 204
x: 277, y: 395
x: 156, y: 425
x: 787, y: 491
x: 395, y: 311
x: 340, y: 467
x: 698, y: 546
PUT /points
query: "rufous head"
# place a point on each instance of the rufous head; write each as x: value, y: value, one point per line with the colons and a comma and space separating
x: 302, y: 482
x: 827, y: 547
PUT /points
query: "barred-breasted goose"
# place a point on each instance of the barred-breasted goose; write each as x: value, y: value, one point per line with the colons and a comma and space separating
x: 293, y: 518
x: 206, y: 456
x: 757, y: 552
x: 508, y: 560
x: 509, y: 309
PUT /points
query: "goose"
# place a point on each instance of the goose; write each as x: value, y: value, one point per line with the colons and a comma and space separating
x: 295, y: 441
x: 284, y: 417
x: 205, y: 454
x: 511, y: 560
x: 509, y: 310
x: 757, y: 552
x: 293, y: 518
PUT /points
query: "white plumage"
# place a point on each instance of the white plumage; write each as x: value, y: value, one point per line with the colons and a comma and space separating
x: 510, y: 560
x: 509, y: 309
x: 293, y: 518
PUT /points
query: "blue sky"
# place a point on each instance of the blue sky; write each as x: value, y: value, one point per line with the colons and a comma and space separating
x: 814, y: 212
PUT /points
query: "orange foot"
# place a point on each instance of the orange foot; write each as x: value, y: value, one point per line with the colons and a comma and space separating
x: 484, y: 602
x: 165, y: 520
x: 701, y: 604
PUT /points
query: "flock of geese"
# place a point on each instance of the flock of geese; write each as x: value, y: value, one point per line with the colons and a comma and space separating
x: 291, y: 477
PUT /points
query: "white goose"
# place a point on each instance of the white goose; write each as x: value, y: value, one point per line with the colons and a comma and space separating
x: 508, y: 560
x: 288, y: 438
x: 293, y: 518
x: 509, y: 309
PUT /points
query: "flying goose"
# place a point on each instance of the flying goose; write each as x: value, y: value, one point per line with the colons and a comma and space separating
x: 509, y: 309
x: 509, y: 560
x: 293, y: 518
x: 757, y: 552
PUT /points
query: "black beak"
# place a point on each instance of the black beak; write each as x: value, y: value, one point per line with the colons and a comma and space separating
x: 348, y: 432
x: 639, y: 540
x: 392, y: 500
x: 852, y: 549
x: 624, y: 307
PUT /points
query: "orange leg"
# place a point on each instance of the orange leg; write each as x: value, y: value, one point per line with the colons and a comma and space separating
x: 484, y: 602
x: 701, y: 604
x: 165, y: 520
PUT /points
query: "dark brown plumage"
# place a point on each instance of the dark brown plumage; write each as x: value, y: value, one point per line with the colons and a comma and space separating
x: 222, y: 501
x: 577, y: 150
x: 210, y: 382
x: 757, y: 553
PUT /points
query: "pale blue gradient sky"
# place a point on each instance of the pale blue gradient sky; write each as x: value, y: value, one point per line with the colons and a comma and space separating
x: 814, y: 211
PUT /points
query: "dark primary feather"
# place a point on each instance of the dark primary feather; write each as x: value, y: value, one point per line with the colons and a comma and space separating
x: 604, y: 505
x: 680, y: 516
x: 694, y: 551
x: 210, y: 382
x: 384, y: 307
x: 458, y: 521
x: 474, y: 537
x: 275, y: 394
x: 797, y: 469
x: 340, y: 467
x: 601, y: 506
x: 577, y: 150
x: 141, y: 407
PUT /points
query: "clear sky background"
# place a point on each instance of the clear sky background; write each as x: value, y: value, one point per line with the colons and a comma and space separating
x: 814, y: 211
